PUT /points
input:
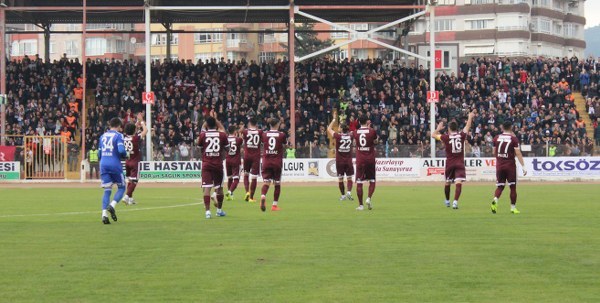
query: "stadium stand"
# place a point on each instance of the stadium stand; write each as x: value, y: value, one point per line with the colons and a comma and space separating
x: 538, y: 94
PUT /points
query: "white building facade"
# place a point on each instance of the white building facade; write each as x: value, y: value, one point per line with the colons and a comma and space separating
x: 503, y: 28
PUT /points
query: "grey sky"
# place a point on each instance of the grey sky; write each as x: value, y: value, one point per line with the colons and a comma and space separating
x: 592, y: 13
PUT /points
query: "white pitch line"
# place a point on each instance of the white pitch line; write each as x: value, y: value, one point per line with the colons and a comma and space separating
x: 94, y: 212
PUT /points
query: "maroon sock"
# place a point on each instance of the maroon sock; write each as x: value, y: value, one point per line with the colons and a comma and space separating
x: 247, y: 183
x: 457, y: 191
x: 447, y: 192
x: 513, y: 194
x: 264, y: 190
x: 371, y: 188
x: 229, y: 183
x: 253, y: 188
x: 498, y: 192
x: 359, y: 193
x: 234, y: 184
x: 131, y: 188
x: 207, y: 202
x: 341, y: 185
x: 220, y: 201
x: 349, y: 185
x: 277, y: 192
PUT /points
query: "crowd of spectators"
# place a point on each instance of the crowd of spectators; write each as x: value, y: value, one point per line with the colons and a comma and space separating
x: 534, y: 93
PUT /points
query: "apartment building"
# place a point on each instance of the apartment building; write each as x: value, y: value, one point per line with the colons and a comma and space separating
x: 98, y: 45
x: 213, y: 41
x: 503, y: 28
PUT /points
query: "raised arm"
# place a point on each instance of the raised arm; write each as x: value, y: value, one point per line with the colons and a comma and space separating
x: 220, y: 126
x: 330, y: 130
x: 436, y: 133
x: 143, y: 125
x: 467, y: 128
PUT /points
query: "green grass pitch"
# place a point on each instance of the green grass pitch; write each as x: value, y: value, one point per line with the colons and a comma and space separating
x: 410, y: 248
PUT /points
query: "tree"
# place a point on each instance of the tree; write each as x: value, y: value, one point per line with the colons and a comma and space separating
x: 307, y: 41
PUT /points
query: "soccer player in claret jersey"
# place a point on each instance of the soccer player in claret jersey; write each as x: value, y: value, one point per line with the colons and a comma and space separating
x: 132, y: 146
x: 273, y: 144
x: 112, y: 150
x: 506, y: 147
x: 213, y: 142
x: 454, y: 143
x: 233, y: 161
x: 252, y: 137
x: 366, y: 139
x: 343, y: 157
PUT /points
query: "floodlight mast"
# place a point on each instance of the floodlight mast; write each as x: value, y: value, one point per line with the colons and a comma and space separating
x: 148, y: 82
x: 432, y: 105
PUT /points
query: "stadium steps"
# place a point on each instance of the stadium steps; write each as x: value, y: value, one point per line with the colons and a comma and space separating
x: 581, y: 107
x: 90, y: 100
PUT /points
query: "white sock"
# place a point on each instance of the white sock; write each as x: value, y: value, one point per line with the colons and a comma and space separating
x: 113, y: 204
x: 208, y: 212
x: 126, y: 198
x: 496, y: 199
x: 275, y: 203
x: 456, y: 201
x: 512, y: 206
x: 104, y: 213
x: 447, y: 201
x: 219, y: 210
x: 230, y: 193
x: 349, y: 193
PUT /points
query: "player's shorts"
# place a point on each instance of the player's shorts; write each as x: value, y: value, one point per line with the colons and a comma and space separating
x: 365, y: 172
x: 506, y: 175
x: 271, y: 173
x: 252, y: 166
x: 233, y: 170
x: 212, y: 177
x: 131, y: 171
x: 455, y: 173
x: 109, y: 179
x: 344, y: 168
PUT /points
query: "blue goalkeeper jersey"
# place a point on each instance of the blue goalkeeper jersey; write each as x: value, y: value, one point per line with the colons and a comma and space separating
x: 112, y: 150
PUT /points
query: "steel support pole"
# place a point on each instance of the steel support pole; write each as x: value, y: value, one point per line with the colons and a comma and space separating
x: 169, y: 28
x: 292, y: 62
x: 220, y: 8
x: 83, y: 84
x: 400, y: 50
x: 328, y: 49
x: 406, y: 45
x: 359, y: 7
x: 47, y: 42
x: 148, y: 84
x: 72, y: 8
x: 3, y: 52
x: 432, y: 106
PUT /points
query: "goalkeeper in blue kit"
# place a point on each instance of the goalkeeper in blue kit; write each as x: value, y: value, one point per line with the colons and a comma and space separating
x: 111, y: 151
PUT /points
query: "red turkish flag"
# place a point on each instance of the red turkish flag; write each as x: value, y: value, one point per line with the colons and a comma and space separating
x: 7, y: 153
x: 438, y: 59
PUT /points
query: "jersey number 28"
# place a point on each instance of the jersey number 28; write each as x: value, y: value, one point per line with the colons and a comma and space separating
x: 213, y: 145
